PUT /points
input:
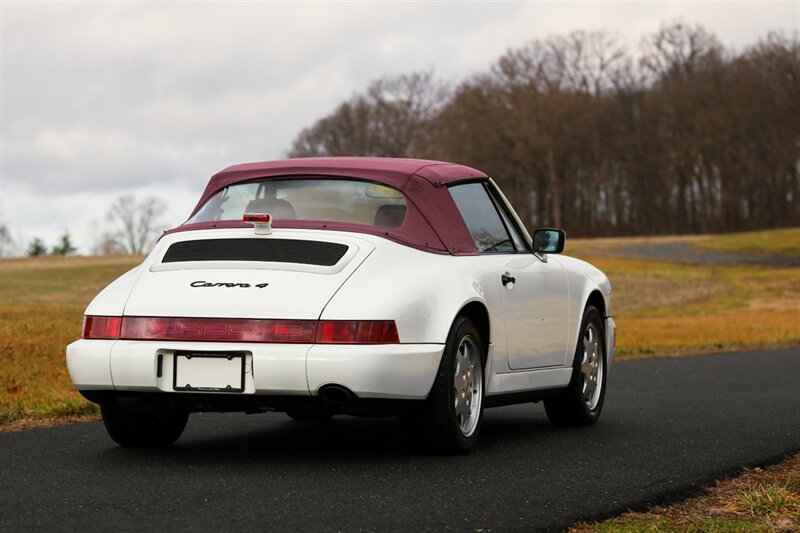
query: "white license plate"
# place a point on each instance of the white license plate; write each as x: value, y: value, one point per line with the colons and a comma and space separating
x: 208, y: 372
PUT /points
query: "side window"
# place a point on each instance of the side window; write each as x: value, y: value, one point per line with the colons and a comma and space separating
x: 519, y: 242
x: 484, y: 223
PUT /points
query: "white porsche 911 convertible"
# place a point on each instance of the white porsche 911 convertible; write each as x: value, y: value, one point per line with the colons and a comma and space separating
x: 362, y: 286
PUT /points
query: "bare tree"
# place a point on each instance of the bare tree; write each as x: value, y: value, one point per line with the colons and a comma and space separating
x: 392, y: 119
x: 7, y: 245
x: 107, y: 244
x: 133, y: 224
x: 678, y: 50
x: 685, y: 136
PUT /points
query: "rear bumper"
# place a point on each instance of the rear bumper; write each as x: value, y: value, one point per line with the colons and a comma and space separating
x: 399, y: 371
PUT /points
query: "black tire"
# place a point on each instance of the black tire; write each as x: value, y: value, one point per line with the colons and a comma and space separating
x: 570, y: 406
x: 127, y: 428
x: 438, y: 426
x: 309, y: 415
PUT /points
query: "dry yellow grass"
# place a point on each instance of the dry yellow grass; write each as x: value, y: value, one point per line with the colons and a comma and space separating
x: 672, y: 309
x: 41, y: 307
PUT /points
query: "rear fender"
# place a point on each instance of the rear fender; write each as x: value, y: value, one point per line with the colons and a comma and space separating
x: 421, y: 292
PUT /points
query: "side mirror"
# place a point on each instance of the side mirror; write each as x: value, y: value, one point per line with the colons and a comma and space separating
x: 549, y: 241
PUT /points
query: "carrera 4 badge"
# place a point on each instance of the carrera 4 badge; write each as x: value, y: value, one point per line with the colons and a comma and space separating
x: 227, y: 284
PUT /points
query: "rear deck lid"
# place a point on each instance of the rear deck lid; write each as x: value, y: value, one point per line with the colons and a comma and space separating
x: 234, y: 274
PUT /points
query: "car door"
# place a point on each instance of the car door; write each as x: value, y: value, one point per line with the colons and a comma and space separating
x: 535, y: 295
x: 537, y: 313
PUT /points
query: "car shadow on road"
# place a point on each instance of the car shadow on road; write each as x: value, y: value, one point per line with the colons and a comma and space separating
x: 271, y: 439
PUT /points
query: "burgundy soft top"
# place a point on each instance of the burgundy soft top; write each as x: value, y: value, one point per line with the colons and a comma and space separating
x: 432, y: 221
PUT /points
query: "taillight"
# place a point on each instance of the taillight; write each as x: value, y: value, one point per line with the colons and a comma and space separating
x: 219, y: 330
x: 101, y: 327
x: 357, y: 332
x: 241, y: 330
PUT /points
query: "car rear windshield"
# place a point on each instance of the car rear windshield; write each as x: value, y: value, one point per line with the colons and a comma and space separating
x: 308, y: 198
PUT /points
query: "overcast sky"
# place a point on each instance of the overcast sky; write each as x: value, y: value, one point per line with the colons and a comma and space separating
x: 99, y: 99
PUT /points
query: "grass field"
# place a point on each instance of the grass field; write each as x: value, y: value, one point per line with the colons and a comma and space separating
x: 661, y: 309
x: 782, y: 242
x: 41, y: 308
x: 672, y: 309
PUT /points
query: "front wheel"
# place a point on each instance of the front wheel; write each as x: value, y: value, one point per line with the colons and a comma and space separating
x: 452, y: 416
x: 128, y: 428
x: 581, y: 402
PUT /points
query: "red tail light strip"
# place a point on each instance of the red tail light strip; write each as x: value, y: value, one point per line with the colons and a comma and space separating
x: 357, y: 332
x: 242, y: 330
x: 219, y: 330
x: 101, y: 327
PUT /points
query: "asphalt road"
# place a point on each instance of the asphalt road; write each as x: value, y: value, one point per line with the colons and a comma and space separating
x: 684, y: 252
x: 669, y: 427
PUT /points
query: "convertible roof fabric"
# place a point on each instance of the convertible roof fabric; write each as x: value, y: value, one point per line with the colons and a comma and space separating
x: 432, y: 223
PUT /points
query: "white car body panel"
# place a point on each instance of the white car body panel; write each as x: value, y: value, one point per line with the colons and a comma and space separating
x: 404, y: 371
x: 528, y: 380
x: 433, y: 289
x: 294, y: 291
x: 537, y: 313
x: 89, y: 364
x: 111, y: 300
x: 584, y: 279
x: 533, y: 323
x: 372, y: 371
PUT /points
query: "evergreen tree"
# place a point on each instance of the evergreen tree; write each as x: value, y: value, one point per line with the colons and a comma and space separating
x: 65, y: 247
x: 37, y: 247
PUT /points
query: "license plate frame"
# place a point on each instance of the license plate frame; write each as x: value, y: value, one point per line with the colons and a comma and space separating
x: 230, y: 364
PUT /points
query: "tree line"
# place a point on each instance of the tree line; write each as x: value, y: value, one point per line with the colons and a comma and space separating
x: 680, y: 135
x: 131, y: 227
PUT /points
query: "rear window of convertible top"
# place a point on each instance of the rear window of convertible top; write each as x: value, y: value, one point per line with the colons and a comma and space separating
x: 318, y: 199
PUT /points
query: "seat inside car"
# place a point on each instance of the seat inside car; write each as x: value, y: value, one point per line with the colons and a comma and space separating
x: 275, y: 207
x: 390, y: 216
x: 266, y: 201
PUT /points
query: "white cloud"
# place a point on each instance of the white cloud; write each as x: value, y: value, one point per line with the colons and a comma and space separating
x: 104, y: 98
x: 83, y: 213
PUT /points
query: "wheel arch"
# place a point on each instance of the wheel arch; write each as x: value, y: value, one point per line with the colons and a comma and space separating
x: 477, y: 312
x: 590, y: 294
x: 596, y: 299
x: 601, y: 303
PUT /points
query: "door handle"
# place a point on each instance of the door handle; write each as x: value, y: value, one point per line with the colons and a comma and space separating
x: 507, y: 278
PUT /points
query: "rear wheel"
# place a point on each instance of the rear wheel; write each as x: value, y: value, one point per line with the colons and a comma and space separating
x: 452, y: 416
x: 128, y: 428
x: 581, y: 402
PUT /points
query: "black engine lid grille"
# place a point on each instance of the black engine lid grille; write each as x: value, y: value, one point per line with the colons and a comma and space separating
x: 268, y: 250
